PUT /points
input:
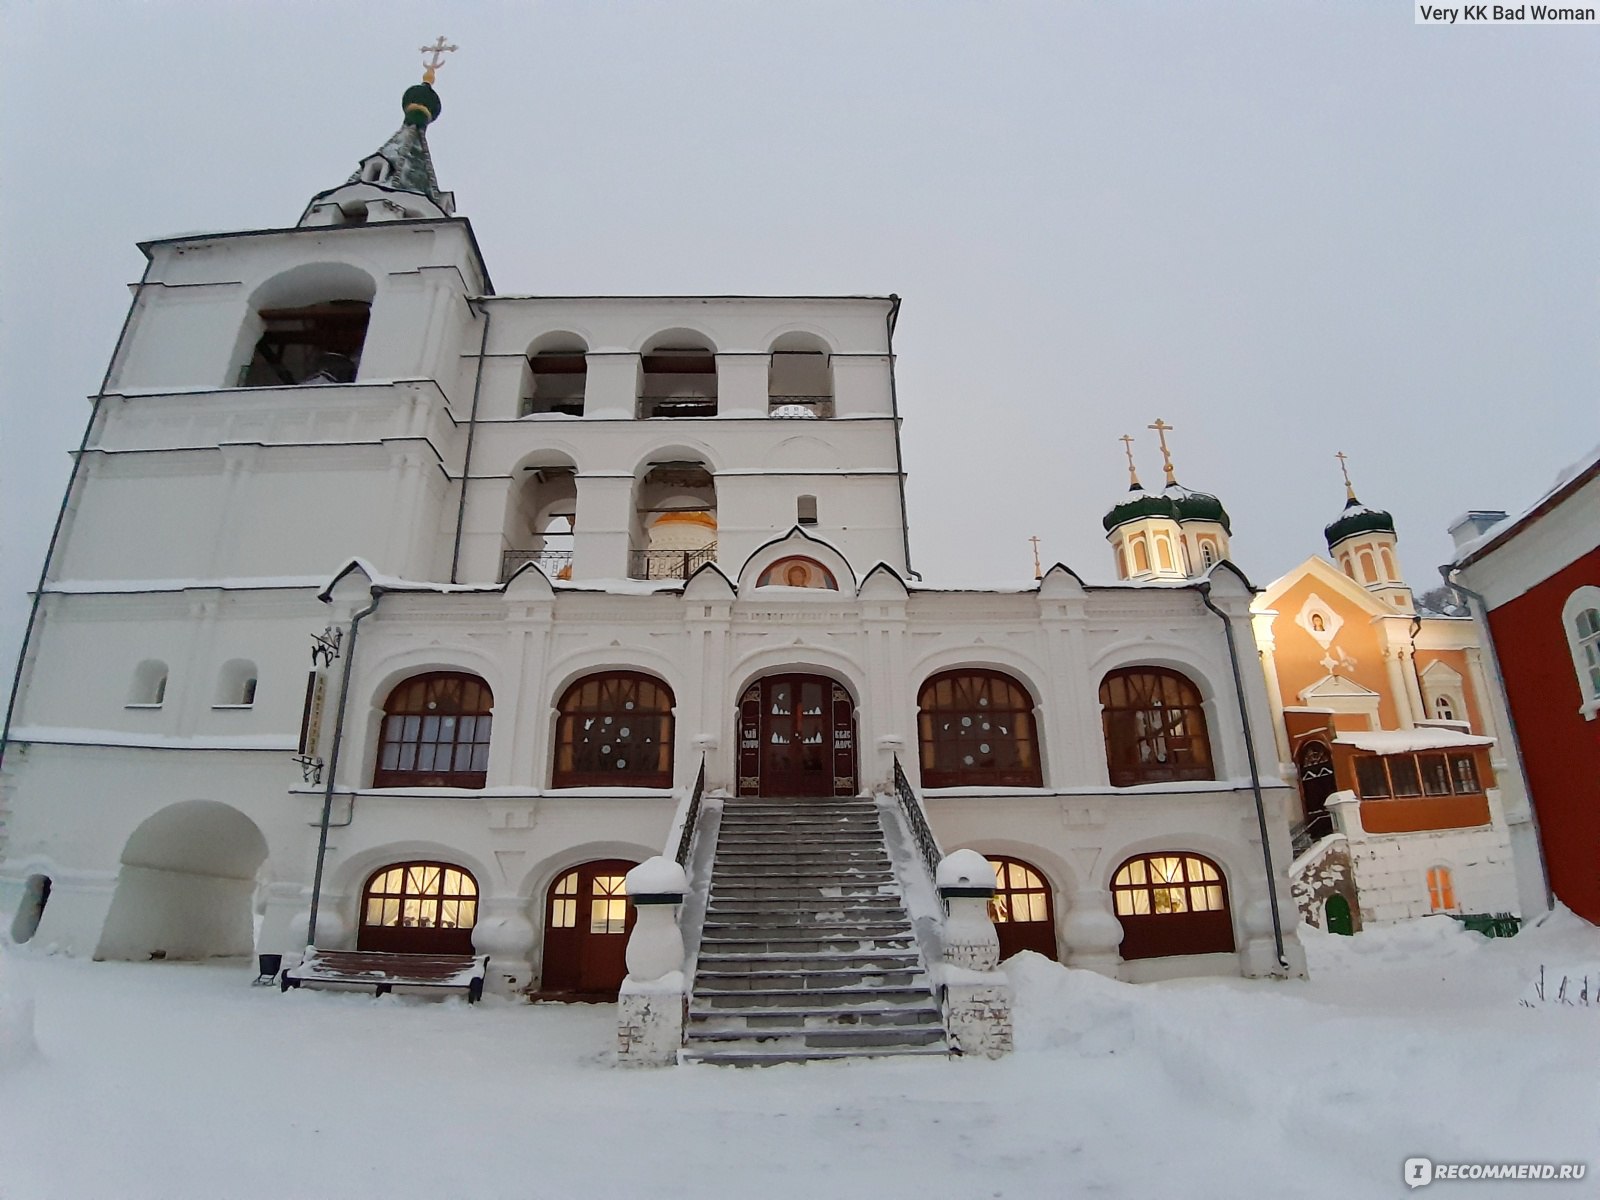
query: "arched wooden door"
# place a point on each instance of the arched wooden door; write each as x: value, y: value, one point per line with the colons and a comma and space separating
x: 587, y: 921
x: 1317, y: 783
x: 1336, y: 918
x: 1022, y: 912
x: 1172, y: 903
x: 797, y: 738
x: 419, y: 908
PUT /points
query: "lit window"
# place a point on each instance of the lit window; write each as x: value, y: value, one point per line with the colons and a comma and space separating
x: 1441, y: 889
x: 419, y: 908
x: 1020, y: 894
x: 1171, y: 903
x: 608, y: 905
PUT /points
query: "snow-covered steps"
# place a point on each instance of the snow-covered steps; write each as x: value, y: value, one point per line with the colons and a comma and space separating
x: 806, y: 950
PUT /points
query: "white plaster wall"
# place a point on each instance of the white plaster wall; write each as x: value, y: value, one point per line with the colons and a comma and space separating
x: 1392, y: 872
x: 175, y: 914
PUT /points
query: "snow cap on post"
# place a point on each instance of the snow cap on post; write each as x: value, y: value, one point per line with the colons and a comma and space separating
x: 965, y: 873
x: 658, y: 880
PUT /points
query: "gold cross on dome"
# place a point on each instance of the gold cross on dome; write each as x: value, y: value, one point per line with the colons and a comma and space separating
x: 435, y: 59
x: 1038, y: 572
x: 1133, y: 473
x: 1348, y: 490
x: 1162, y: 429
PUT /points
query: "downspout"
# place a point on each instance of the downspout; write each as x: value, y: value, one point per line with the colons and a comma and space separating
x: 61, y: 513
x: 333, y: 762
x: 472, y: 430
x: 899, y: 457
x: 1514, y: 751
x: 1204, y: 588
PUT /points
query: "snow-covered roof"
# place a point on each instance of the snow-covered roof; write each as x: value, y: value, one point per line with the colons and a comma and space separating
x: 1569, y: 479
x: 1409, y: 741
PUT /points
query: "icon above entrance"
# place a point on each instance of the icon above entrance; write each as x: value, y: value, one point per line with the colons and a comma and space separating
x: 797, y: 737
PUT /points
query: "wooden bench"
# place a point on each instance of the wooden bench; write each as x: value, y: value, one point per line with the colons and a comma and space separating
x: 382, y: 971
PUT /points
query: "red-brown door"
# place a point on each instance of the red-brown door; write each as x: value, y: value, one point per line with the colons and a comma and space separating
x: 1023, y: 915
x: 796, y: 738
x: 587, y: 921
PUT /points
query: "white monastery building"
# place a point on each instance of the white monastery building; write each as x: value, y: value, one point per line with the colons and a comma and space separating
x: 577, y: 570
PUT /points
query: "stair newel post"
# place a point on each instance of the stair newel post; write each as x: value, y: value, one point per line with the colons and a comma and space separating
x: 977, y: 995
x: 651, y: 1005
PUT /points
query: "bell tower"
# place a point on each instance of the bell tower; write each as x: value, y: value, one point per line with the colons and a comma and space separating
x: 1364, y: 544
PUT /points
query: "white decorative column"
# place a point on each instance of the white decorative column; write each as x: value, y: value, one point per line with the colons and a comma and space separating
x: 505, y: 934
x: 977, y: 996
x: 650, y: 1008
x: 1092, y: 933
x: 742, y: 384
x: 600, y: 538
x: 611, y: 386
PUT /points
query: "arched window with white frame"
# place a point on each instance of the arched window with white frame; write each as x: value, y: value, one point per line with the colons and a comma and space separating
x: 1580, y: 618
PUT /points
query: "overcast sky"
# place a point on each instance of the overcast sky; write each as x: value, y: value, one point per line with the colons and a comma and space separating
x: 1285, y: 228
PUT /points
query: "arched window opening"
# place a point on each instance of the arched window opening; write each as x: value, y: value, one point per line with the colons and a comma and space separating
x: 616, y: 730
x: 1369, y: 573
x: 1155, y: 727
x: 558, y: 376
x: 805, y: 510
x: 674, y: 530
x: 1208, y: 554
x: 1388, y: 563
x: 976, y: 728
x: 1444, y: 708
x: 1141, y: 557
x: 588, y: 917
x: 1582, y: 619
x: 1171, y: 903
x: 1344, y: 561
x: 436, y: 733
x: 419, y: 908
x: 1164, y: 554
x: 800, y: 379
x: 541, y: 519
x: 236, y: 684
x: 1022, y: 911
x: 797, y: 571
x: 149, y: 686
x: 317, y: 343
x: 678, y: 380
x: 1122, y: 561
x: 1441, y: 889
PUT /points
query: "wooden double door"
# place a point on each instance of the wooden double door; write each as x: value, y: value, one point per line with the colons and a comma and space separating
x: 587, y: 921
x: 797, y: 737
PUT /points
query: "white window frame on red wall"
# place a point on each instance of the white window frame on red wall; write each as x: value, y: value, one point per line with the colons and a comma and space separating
x: 1581, y: 600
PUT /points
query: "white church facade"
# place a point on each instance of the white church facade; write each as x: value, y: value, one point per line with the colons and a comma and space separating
x: 567, y: 564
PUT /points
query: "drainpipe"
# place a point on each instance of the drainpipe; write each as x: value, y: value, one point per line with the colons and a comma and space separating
x: 333, y: 762
x: 61, y: 513
x: 472, y: 430
x: 1513, y: 753
x: 1204, y: 588
x: 899, y: 458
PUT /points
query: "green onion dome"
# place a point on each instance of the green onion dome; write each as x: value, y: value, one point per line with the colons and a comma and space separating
x: 421, y: 105
x: 1198, y: 506
x: 1357, y: 518
x: 1139, y: 505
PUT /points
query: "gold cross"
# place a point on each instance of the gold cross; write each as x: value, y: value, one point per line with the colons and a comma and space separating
x: 1162, y: 428
x: 1133, y: 473
x: 435, y: 59
x: 1348, y: 490
x: 1038, y: 573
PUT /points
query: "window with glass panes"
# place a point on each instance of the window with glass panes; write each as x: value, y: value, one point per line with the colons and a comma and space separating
x: 1407, y: 776
x: 1171, y: 903
x: 615, y: 728
x: 435, y: 733
x: 976, y: 727
x: 1587, y: 624
x: 1155, y: 727
x: 419, y: 907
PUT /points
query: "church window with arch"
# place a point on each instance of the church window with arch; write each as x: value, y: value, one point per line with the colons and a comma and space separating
x: 435, y: 733
x: 1155, y: 727
x: 1581, y: 621
x: 616, y: 729
x: 975, y: 727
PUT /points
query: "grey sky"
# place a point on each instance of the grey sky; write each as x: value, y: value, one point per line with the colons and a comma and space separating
x: 1285, y: 228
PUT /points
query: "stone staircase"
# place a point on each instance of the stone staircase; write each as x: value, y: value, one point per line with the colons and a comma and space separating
x: 807, y: 951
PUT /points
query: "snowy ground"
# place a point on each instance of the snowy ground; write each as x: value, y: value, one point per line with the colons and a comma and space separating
x: 179, y: 1081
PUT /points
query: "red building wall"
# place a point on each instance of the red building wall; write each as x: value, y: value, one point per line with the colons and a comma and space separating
x: 1560, y: 750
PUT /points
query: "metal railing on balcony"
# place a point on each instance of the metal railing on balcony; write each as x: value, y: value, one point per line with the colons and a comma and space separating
x: 1310, y: 831
x: 677, y: 406
x: 669, y: 564
x: 557, y: 564
x: 801, y: 407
